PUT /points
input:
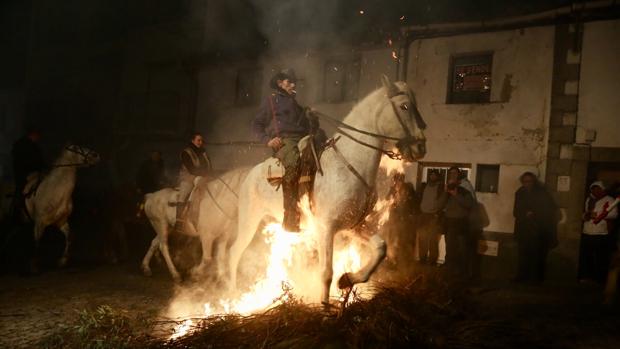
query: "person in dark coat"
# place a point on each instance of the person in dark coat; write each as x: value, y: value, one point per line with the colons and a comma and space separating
x: 535, y: 215
x: 458, y: 204
x: 27, y: 161
x: 150, y: 176
x: 401, y: 224
x: 194, y: 162
x: 280, y: 124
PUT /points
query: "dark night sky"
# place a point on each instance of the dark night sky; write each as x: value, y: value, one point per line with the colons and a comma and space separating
x: 242, y: 25
x: 69, y: 40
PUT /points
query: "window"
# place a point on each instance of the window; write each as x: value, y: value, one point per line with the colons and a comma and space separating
x: 487, y: 178
x: 442, y: 168
x: 249, y: 82
x: 341, y: 80
x: 470, y: 79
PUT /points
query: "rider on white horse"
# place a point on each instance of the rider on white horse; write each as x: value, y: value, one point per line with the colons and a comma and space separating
x: 28, y: 162
x: 194, y: 162
x: 281, y: 123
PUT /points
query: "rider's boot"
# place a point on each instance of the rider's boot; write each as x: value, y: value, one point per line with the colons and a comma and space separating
x: 179, y: 225
x: 290, y: 192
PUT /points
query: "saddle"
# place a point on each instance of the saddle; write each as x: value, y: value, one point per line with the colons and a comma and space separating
x: 192, y: 208
x: 310, y: 150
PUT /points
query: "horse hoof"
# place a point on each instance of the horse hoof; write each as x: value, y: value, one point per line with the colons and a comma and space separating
x: 63, y: 262
x: 147, y: 272
x: 345, y: 281
x: 177, y: 279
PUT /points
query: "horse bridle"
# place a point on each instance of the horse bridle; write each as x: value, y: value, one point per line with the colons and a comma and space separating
x: 401, y: 143
x: 84, y: 152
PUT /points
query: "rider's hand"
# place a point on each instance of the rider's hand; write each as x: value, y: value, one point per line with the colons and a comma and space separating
x: 275, y: 143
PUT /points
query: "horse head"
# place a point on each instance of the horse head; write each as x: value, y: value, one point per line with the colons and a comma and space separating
x: 400, y: 118
x: 80, y: 156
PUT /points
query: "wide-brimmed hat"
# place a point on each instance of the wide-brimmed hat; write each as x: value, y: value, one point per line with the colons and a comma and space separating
x: 283, y: 75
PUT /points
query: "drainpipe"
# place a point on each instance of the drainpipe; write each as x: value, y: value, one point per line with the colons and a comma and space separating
x: 540, y: 18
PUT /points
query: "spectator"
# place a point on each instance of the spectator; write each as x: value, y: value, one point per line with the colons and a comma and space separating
x: 401, y: 227
x: 477, y: 220
x: 458, y: 204
x: 535, y: 228
x: 151, y: 176
x: 431, y: 198
x: 596, y: 243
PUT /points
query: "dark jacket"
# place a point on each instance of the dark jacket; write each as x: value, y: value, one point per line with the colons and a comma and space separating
x: 194, y: 162
x: 459, y: 206
x: 27, y: 158
x: 544, y: 219
x: 290, y: 120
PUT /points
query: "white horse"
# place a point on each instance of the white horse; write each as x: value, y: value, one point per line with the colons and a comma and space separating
x: 216, y: 221
x: 387, y: 117
x: 50, y: 203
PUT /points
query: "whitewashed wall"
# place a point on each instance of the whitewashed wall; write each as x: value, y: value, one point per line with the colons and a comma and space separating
x: 511, y: 130
x: 599, y: 88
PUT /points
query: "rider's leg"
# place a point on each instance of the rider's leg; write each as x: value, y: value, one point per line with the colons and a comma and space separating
x: 185, y: 189
x: 289, y: 157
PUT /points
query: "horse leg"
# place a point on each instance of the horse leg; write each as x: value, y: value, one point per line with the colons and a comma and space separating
x: 247, y: 226
x: 163, y: 248
x: 34, y: 259
x: 378, y: 250
x: 65, y: 255
x: 326, y: 255
x: 220, y: 256
x: 206, y: 241
x: 146, y: 262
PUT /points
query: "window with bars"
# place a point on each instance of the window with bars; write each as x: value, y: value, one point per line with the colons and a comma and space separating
x: 470, y: 78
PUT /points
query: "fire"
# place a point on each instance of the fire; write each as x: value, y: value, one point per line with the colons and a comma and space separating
x: 394, y: 55
x: 182, y: 329
x: 282, y: 273
x: 391, y: 165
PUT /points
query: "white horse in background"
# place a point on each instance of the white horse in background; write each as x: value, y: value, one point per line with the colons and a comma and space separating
x: 388, y: 117
x: 216, y: 221
x: 50, y: 203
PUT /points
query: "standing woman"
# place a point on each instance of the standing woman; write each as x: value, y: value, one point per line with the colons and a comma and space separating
x: 597, y: 244
x: 535, y: 215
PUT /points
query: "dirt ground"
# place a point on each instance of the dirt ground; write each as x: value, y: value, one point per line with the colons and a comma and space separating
x: 31, y: 307
x: 567, y: 315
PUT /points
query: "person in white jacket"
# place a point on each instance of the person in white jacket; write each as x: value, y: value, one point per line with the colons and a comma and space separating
x: 596, y: 245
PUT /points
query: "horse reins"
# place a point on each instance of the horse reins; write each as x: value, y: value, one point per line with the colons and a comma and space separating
x: 407, y: 140
x: 80, y: 151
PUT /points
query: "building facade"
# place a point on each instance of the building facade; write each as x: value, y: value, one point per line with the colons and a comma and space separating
x: 497, y: 104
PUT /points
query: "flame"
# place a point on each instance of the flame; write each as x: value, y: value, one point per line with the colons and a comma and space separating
x: 391, y: 165
x: 182, y: 329
x: 394, y: 55
x: 283, y: 274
